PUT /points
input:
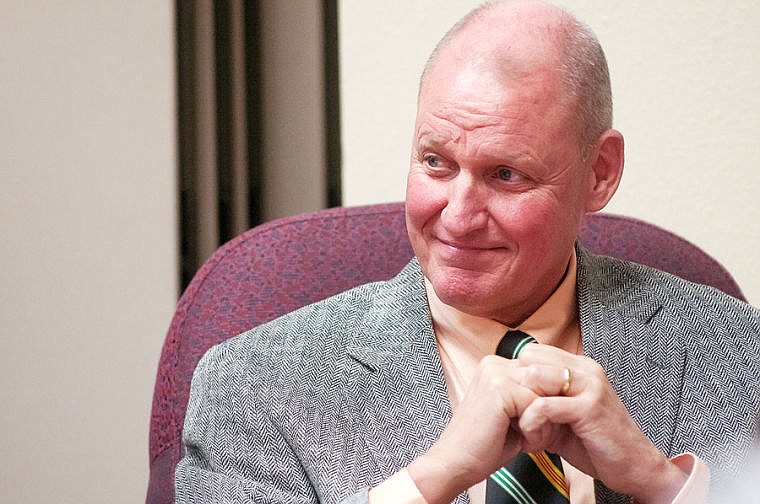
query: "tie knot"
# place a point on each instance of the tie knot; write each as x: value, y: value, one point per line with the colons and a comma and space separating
x: 512, y: 344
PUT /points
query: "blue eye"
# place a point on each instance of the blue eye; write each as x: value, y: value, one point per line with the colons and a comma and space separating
x: 505, y: 174
x: 432, y: 160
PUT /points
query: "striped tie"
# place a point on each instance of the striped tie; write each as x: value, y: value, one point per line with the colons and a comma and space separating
x: 529, y: 478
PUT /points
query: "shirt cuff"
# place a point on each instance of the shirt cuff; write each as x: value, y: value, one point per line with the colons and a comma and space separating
x: 697, y: 485
x: 398, y: 489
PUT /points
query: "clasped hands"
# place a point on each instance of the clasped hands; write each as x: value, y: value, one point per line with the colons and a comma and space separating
x: 525, y: 404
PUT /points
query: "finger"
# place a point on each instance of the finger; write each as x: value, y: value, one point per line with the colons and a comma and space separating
x: 497, y: 392
x: 577, y: 396
x: 550, y: 355
x: 548, y: 419
x: 506, y: 384
x: 590, y: 435
x: 590, y: 409
x: 540, y: 425
x: 548, y: 380
x: 492, y: 401
x: 579, y: 372
x: 517, y: 386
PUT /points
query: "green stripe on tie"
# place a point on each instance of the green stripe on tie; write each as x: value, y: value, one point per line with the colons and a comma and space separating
x: 523, y: 342
x: 505, y: 480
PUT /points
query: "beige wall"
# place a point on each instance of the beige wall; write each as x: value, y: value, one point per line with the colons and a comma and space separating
x: 686, y: 81
x: 88, y: 248
x: 292, y: 107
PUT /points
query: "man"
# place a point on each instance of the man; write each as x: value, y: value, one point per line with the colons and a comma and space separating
x: 390, y: 392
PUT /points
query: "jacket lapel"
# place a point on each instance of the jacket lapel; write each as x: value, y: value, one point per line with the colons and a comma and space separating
x: 622, y: 325
x: 399, y: 374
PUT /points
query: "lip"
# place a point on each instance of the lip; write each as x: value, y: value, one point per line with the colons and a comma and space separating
x: 467, y: 256
x: 466, y: 247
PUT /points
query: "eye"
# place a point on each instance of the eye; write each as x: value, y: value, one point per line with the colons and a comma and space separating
x: 505, y: 174
x: 510, y: 177
x: 432, y: 160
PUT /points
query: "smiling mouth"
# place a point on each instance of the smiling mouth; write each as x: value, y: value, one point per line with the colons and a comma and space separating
x: 467, y: 247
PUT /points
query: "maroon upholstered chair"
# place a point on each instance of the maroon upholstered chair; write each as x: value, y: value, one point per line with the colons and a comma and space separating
x: 285, y: 264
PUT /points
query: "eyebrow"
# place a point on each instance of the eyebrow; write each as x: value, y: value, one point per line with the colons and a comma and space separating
x: 426, y: 137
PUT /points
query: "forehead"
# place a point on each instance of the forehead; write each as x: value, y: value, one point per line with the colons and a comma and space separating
x: 474, y: 101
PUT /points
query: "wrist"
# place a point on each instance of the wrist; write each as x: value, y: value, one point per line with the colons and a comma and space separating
x: 436, y: 480
x: 398, y: 489
x: 664, y: 484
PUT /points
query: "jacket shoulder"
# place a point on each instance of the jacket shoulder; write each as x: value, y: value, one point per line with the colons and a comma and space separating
x: 330, y: 323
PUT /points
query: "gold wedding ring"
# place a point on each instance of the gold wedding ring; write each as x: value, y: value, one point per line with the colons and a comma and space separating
x: 568, y: 382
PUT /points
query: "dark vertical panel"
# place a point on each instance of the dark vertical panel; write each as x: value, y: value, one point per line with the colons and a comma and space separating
x: 196, y: 117
x: 224, y: 124
x: 238, y: 120
x: 185, y: 23
x: 253, y: 111
x: 332, y: 103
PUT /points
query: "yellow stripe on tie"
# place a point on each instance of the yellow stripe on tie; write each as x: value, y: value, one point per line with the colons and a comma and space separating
x: 551, y: 472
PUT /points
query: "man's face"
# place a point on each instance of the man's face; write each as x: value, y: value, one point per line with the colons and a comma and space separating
x: 496, y: 189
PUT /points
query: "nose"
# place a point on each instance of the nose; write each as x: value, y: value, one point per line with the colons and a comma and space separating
x: 466, y: 207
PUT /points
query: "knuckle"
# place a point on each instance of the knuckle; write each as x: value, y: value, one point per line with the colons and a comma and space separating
x: 532, y: 373
x: 596, y: 369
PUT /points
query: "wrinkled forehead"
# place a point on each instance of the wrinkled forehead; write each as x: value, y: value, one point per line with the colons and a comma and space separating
x: 490, y: 87
x: 471, y: 72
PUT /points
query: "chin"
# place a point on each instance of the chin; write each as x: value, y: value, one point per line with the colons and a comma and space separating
x: 462, y: 290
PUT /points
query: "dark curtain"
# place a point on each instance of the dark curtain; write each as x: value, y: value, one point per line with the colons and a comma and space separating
x: 219, y: 105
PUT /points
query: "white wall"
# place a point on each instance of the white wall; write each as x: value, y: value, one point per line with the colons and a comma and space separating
x: 686, y: 84
x: 87, y: 243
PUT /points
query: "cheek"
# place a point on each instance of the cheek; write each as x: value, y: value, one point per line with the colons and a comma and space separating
x: 538, y: 225
x: 422, y: 201
x: 527, y: 226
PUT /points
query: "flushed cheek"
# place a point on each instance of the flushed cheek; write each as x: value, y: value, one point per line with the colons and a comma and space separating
x: 529, y: 227
x: 423, y: 203
x: 418, y: 226
x: 544, y: 241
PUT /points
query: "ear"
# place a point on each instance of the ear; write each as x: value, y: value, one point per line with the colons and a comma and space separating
x: 606, y: 162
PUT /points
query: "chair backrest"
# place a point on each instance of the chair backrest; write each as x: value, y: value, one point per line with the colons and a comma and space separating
x: 282, y: 265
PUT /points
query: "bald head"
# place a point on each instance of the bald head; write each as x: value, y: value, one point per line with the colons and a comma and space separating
x: 515, y: 39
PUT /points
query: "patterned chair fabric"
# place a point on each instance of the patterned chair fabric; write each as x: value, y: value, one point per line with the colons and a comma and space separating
x: 282, y: 265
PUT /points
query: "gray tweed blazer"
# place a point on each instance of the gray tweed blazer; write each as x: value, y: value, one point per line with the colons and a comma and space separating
x: 331, y: 399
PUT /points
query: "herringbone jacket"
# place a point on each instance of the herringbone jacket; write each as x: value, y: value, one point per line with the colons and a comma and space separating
x: 329, y: 400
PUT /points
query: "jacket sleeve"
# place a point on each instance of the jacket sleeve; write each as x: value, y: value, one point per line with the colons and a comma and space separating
x: 233, y: 452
